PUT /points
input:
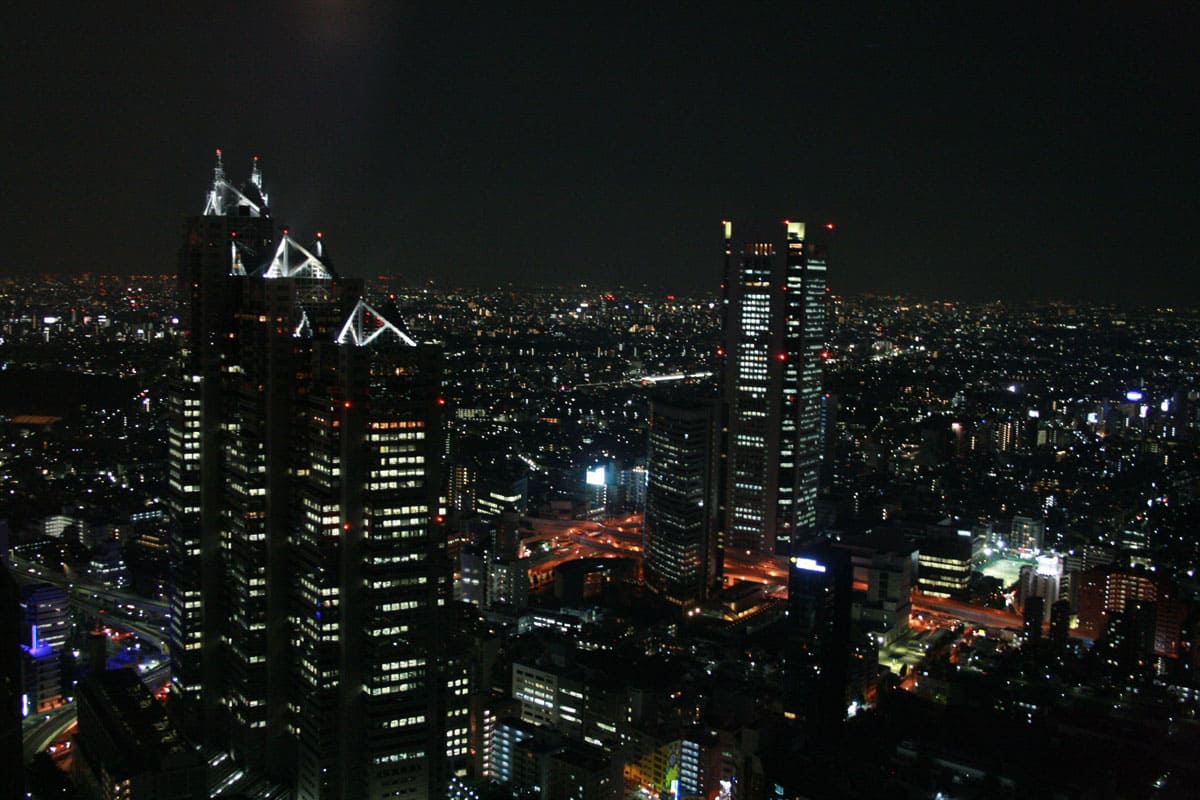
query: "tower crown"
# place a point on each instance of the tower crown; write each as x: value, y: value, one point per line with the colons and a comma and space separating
x: 225, y: 199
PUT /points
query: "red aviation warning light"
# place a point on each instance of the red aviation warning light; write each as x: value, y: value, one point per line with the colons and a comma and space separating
x: 782, y: 356
x: 825, y: 354
x: 720, y: 351
x: 828, y: 226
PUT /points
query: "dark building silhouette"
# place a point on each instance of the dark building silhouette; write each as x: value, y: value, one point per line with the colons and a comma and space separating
x: 680, y: 522
x: 11, y: 752
x: 1035, y: 611
x: 126, y: 747
x: 1060, y: 623
x: 819, y: 646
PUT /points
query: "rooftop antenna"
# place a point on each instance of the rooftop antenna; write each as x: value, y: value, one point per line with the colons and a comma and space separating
x: 216, y: 195
x: 256, y: 179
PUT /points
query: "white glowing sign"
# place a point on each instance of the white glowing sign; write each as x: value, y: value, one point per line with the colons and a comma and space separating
x: 595, y: 476
x: 808, y: 564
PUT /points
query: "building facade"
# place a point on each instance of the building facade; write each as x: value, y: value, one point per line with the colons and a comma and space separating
x: 680, y: 522
x: 773, y: 315
x: 309, y: 561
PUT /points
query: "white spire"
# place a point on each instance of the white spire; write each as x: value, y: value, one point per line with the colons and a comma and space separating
x: 256, y: 179
x: 215, y: 207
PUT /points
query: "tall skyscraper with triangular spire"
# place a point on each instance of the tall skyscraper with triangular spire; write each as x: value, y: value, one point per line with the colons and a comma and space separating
x: 306, y: 476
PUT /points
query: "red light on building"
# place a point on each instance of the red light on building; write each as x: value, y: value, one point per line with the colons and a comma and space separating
x: 825, y: 354
x: 828, y: 226
x: 782, y: 356
x: 439, y: 519
x: 319, y: 234
x: 346, y: 404
x: 720, y: 351
x: 671, y: 298
x: 345, y: 526
x: 441, y: 401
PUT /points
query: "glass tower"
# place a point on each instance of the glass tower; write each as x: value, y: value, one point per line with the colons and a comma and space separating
x: 681, y: 498
x: 774, y: 342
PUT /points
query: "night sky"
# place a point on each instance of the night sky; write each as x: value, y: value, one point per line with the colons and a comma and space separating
x: 1017, y: 152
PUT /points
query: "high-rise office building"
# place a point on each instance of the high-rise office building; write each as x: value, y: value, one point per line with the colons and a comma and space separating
x: 11, y: 624
x: 773, y: 314
x: 46, y: 626
x: 681, y: 504
x: 305, y: 465
x: 235, y: 230
x: 819, y: 633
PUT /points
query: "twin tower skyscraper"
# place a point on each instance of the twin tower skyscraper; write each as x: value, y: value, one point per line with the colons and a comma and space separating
x: 738, y: 478
x: 305, y: 448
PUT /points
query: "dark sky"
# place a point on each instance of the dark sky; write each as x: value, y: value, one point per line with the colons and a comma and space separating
x: 1012, y: 152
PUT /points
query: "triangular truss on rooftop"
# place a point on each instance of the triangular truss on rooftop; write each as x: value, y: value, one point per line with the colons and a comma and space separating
x: 292, y: 260
x: 365, y: 325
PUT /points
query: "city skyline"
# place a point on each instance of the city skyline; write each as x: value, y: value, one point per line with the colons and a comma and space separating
x: 962, y: 153
x: 979, y: 467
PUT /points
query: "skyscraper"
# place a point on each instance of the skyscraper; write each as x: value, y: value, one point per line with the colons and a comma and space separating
x: 773, y: 316
x: 234, y: 230
x: 681, y: 498
x: 11, y: 623
x: 305, y: 455
x: 818, y: 634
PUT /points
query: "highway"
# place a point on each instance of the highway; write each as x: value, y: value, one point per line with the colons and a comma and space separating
x: 101, y: 603
x: 40, y: 730
x: 974, y: 615
x: 25, y: 569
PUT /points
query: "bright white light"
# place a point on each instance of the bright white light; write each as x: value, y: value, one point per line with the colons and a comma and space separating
x: 1050, y: 566
x: 1133, y: 395
x: 808, y: 564
x: 595, y: 476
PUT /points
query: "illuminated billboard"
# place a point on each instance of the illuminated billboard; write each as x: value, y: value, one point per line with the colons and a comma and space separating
x: 595, y: 476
